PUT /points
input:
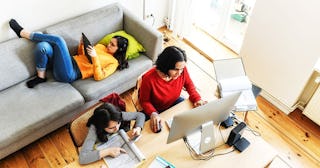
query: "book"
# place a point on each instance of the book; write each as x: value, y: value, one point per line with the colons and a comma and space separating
x: 160, y: 162
x: 132, y: 158
x: 86, y: 43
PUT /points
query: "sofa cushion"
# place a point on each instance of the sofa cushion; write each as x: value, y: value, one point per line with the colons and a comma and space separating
x: 24, y: 110
x: 92, y: 89
x: 17, y: 61
x: 134, y: 47
x: 94, y: 24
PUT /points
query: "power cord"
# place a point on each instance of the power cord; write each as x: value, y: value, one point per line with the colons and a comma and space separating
x: 237, y: 121
x: 207, y: 156
x: 219, y: 126
x: 196, y: 156
x: 211, y: 153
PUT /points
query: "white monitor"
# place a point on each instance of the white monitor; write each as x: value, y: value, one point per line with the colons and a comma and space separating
x: 187, y: 122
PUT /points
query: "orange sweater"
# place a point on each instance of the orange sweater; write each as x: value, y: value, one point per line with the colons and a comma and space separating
x: 103, y: 65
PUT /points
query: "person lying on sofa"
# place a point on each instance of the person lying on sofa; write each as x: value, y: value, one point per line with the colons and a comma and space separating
x: 52, y: 51
x: 161, y: 86
x: 107, y: 119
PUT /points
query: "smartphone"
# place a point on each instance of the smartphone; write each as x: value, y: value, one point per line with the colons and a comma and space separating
x: 135, y: 138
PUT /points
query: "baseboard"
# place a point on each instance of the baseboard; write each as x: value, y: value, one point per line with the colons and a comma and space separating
x: 283, y: 107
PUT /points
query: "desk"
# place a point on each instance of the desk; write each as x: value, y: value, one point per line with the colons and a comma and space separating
x: 258, y: 154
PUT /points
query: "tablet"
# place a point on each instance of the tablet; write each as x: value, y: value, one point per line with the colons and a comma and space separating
x: 86, y: 43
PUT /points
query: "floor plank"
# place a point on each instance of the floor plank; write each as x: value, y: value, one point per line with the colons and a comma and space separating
x: 63, y: 142
x: 207, y: 45
x: 286, y: 148
x: 305, y: 122
x: 34, y: 156
x: 15, y: 160
x: 76, y: 164
x: 290, y: 128
x: 51, y: 153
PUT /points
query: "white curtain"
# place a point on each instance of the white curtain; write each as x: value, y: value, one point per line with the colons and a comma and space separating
x: 180, y: 16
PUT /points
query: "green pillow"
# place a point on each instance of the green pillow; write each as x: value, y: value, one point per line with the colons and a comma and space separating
x: 134, y: 47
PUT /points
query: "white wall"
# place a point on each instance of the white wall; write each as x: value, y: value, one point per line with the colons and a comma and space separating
x: 36, y: 14
x: 159, y: 9
x: 281, y: 47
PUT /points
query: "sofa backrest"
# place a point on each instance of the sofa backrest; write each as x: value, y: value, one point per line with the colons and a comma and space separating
x: 17, y: 62
x: 109, y: 19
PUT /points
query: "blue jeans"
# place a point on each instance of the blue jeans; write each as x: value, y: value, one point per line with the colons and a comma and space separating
x: 179, y: 100
x: 52, y: 51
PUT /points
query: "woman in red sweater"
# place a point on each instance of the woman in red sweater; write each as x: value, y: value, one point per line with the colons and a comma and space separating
x: 161, y: 86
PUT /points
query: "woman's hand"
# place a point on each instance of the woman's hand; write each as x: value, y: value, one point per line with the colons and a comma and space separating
x: 136, y: 131
x: 155, y: 122
x: 113, y: 152
x: 91, y: 51
x: 199, y: 103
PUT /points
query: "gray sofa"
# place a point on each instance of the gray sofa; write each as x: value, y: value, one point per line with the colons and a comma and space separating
x: 28, y: 114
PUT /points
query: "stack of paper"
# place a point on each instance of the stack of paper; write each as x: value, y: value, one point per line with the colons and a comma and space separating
x: 246, y: 101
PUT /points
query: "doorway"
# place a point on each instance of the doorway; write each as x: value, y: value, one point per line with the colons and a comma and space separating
x: 224, y: 20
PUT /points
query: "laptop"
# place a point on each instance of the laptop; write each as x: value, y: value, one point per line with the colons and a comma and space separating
x: 86, y: 43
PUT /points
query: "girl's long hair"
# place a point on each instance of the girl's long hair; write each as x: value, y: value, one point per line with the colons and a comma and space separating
x: 101, y: 117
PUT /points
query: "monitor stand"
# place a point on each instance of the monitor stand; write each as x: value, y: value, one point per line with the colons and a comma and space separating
x: 207, y: 137
x: 202, y: 140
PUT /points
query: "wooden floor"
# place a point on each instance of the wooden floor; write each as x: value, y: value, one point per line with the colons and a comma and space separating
x: 296, y: 138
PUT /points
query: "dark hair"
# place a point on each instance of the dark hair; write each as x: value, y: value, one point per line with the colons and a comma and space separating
x: 101, y: 117
x: 120, y: 54
x: 169, y: 57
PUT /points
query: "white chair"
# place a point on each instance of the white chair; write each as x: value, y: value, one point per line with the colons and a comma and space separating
x: 231, y: 77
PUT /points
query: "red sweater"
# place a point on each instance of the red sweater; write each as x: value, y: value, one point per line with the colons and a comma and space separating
x: 156, y: 94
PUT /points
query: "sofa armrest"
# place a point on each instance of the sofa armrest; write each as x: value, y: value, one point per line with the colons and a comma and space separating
x: 150, y: 38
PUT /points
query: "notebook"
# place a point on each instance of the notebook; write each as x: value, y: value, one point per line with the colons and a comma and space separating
x: 86, y: 43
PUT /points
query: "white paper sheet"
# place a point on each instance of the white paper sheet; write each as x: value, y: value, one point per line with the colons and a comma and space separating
x: 125, y: 160
x: 235, y: 84
x: 246, y: 101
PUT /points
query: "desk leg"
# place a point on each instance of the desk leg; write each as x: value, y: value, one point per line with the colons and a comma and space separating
x: 245, y: 116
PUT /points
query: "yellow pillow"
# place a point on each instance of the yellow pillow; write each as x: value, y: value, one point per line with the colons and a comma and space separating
x: 134, y: 47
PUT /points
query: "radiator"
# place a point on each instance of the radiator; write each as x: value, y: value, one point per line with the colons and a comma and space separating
x: 312, y: 109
